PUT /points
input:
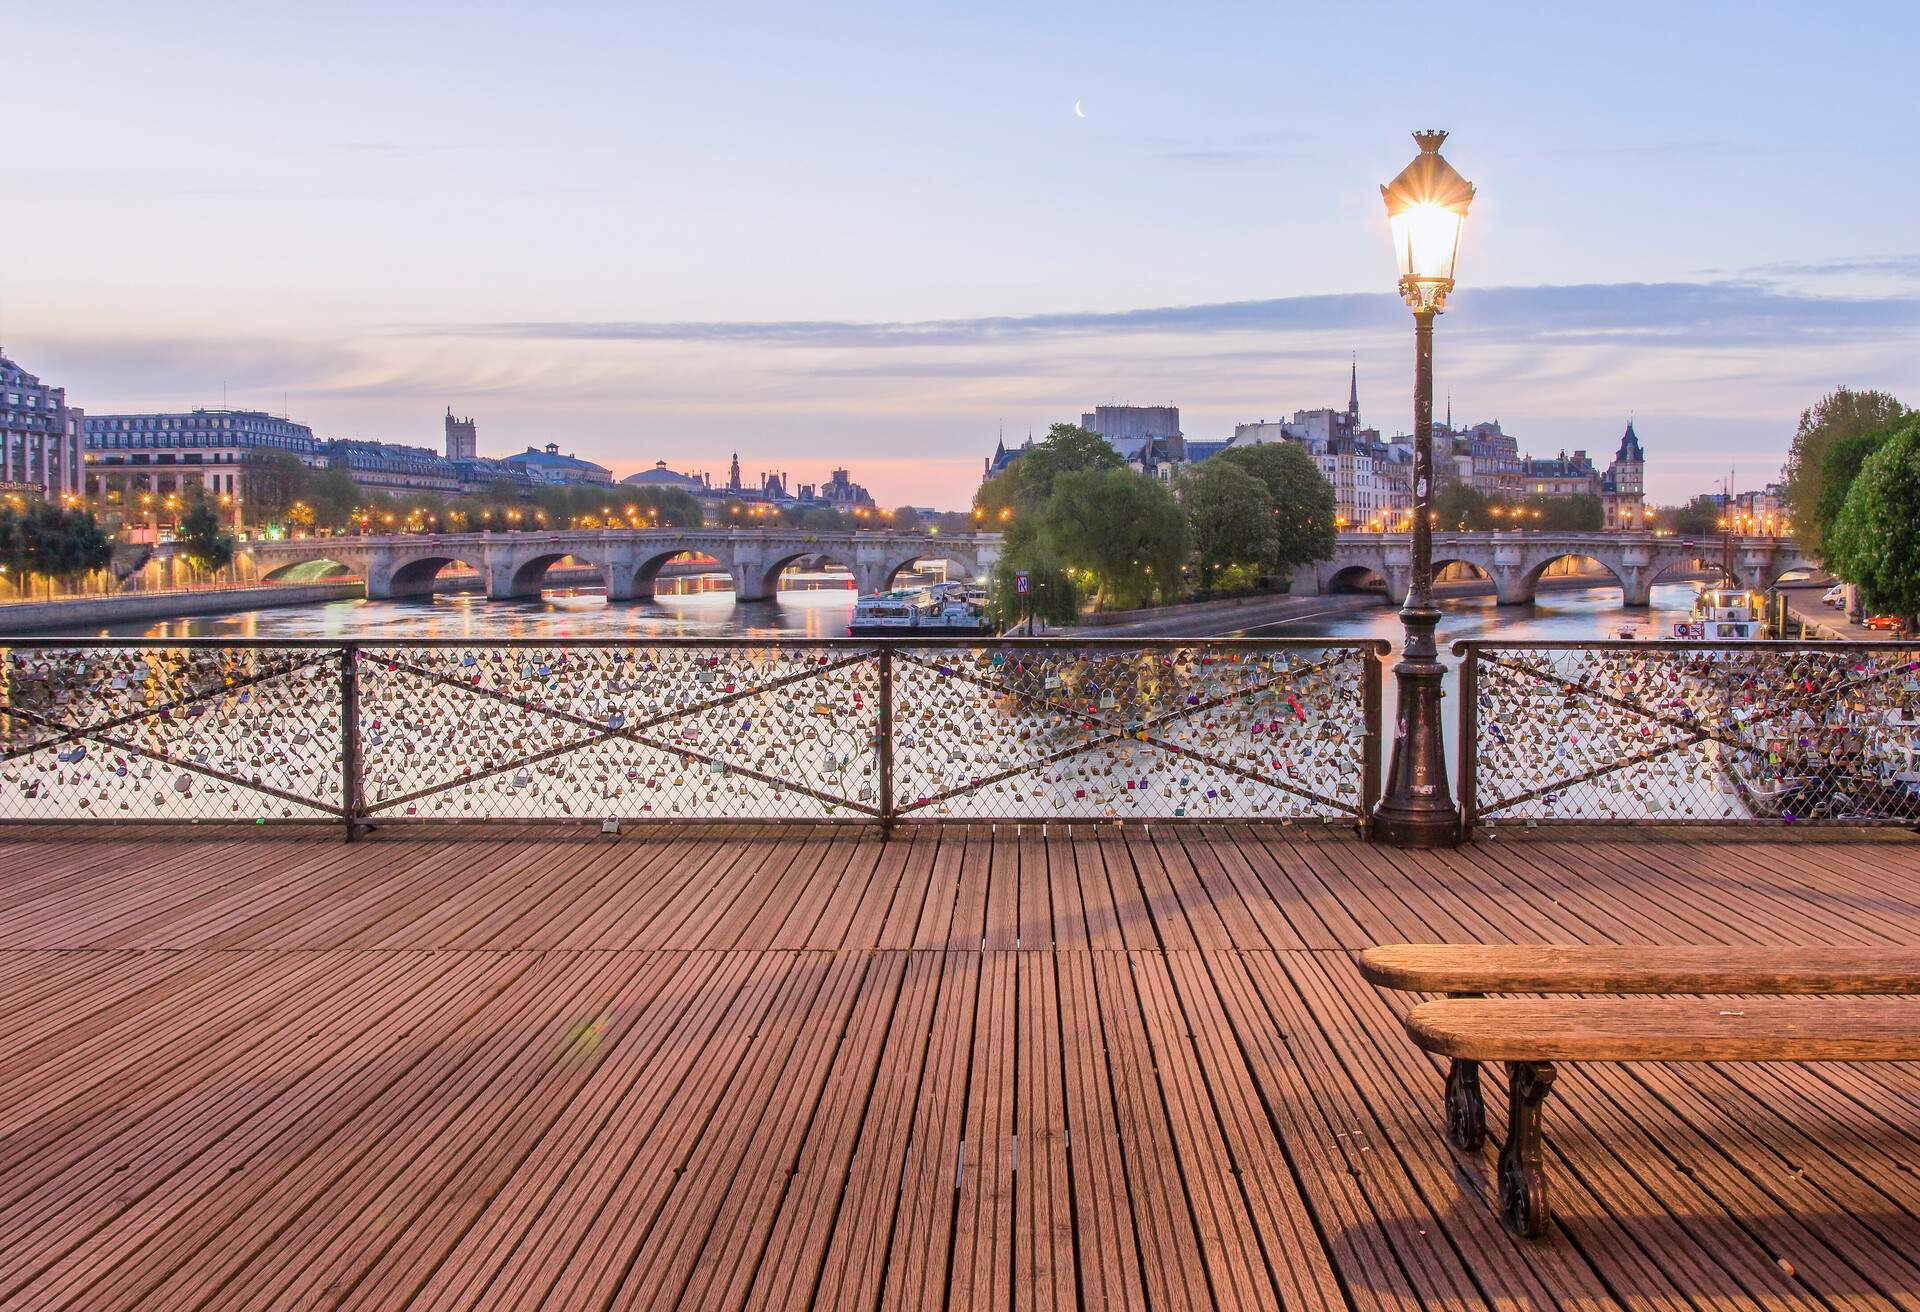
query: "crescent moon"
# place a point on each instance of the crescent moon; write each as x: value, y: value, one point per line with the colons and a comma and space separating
x: 1077, y: 111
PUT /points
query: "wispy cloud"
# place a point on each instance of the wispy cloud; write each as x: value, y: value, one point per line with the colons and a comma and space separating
x: 1744, y: 312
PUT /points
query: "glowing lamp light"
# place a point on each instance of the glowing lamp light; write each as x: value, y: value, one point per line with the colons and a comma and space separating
x: 1427, y: 207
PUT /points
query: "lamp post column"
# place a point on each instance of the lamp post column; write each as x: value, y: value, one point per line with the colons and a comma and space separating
x: 1418, y: 810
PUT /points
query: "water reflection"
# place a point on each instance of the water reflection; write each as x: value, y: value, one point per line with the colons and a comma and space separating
x: 810, y: 604
x: 1574, y: 614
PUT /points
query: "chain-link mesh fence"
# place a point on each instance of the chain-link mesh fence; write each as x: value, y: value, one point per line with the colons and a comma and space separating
x: 202, y: 730
x: 1754, y: 732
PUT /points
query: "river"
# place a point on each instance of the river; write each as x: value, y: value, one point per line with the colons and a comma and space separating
x: 817, y: 605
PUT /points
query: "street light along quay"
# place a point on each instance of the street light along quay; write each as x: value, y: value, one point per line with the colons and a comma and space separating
x: 1426, y: 206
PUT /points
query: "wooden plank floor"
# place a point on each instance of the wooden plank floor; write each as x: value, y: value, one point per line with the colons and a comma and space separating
x: 714, y: 1067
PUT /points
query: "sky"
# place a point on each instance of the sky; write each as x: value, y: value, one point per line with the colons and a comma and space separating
x: 880, y: 236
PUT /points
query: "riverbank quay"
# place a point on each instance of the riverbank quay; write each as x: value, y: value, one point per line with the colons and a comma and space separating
x: 1228, y: 615
x: 1022, y: 1065
x: 1804, y: 604
x: 79, y: 614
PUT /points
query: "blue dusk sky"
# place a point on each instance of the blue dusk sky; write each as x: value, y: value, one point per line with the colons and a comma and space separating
x: 827, y: 234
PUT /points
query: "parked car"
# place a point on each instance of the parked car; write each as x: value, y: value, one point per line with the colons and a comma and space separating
x: 1886, y: 623
x: 1835, y: 595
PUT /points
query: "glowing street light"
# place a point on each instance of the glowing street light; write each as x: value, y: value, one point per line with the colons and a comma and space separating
x: 1426, y: 209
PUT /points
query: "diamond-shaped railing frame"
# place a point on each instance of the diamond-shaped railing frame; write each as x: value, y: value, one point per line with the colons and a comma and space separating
x: 1489, y: 669
x: 117, y: 731
x: 765, y: 677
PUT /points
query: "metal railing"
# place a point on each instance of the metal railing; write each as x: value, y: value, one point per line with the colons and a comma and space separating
x: 1689, y: 732
x: 369, y: 733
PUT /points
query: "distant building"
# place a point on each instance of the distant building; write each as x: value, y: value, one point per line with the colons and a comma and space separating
x: 1623, y: 486
x: 41, y: 436
x: 839, y: 492
x: 1003, y: 456
x: 463, y: 438
x: 1147, y: 436
x: 1371, y: 478
x: 395, y: 469
x: 165, y: 453
x: 660, y: 476
x: 1560, y: 476
x: 1485, y: 459
x: 549, y: 466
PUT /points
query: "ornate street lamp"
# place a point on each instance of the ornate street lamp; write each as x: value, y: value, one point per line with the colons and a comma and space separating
x: 1427, y: 206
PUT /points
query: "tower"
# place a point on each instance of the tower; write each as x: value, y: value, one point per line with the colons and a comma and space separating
x: 733, y: 474
x: 463, y: 441
x: 1353, y: 395
x: 1623, y: 489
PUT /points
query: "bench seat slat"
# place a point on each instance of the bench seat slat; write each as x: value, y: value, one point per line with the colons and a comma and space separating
x: 1669, y: 1029
x: 1556, y: 968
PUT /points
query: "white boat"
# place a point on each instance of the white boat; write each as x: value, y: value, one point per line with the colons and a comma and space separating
x: 888, y: 613
x: 1724, y: 615
x: 943, y: 610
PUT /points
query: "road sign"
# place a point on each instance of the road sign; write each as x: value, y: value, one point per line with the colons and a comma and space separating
x: 1020, y: 583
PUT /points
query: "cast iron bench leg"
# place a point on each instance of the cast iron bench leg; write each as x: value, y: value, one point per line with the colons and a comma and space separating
x: 1466, y: 1110
x: 1523, y: 1168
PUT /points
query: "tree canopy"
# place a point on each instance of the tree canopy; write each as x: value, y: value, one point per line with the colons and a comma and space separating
x: 1125, y: 533
x: 1024, y: 486
x: 1230, y: 517
x: 51, y: 541
x: 201, y: 539
x: 1875, y: 539
x: 1840, y: 414
x: 1700, y: 517
x: 1301, y: 503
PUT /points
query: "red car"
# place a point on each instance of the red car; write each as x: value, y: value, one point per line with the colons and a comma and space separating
x: 1890, y: 623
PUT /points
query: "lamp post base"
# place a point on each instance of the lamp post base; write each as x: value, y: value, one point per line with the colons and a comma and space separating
x: 1418, y: 810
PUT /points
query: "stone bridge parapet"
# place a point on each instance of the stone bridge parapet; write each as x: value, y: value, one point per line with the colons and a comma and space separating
x: 1515, y: 561
x: 628, y: 560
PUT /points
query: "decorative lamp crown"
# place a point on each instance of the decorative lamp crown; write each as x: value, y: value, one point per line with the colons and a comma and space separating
x: 1427, y: 206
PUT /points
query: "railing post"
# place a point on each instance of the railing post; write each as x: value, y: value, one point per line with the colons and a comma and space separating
x: 1370, y: 738
x: 351, y: 795
x: 886, y: 739
x: 1469, y: 738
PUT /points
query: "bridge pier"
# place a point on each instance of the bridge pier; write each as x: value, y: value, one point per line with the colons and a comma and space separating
x: 1513, y: 586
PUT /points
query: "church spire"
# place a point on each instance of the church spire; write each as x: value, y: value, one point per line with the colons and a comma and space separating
x: 1353, y: 394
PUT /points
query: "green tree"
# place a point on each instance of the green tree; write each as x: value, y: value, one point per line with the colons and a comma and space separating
x: 1229, y: 518
x: 1125, y: 532
x: 1462, y: 506
x: 333, y: 494
x: 1840, y: 464
x: 52, y: 542
x: 1841, y: 413
x: 1052, y: 596
x: 1301, y: 501
x: 1024, y: 486
x: 1700, y: 517
x: 270, y: 481
x: 1875, y: 540
x: 201, y: 540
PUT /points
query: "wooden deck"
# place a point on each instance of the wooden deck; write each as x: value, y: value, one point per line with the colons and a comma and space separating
x: 718, y: 1068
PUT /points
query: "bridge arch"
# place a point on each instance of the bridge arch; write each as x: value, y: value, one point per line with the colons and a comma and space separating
x: 958, y: 567
x: 527, y: 575
x: 769, y: 580
x: 640, y: 584
x: 1356, y: 578
x: 1633, y: 590
x: 418, y: 575
x: 311, y: 570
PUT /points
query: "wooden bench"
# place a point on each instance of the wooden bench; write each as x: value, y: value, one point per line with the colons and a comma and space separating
x: 1529, y: 1035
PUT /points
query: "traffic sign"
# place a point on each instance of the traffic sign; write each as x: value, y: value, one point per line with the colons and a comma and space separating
x: 1020, y: 583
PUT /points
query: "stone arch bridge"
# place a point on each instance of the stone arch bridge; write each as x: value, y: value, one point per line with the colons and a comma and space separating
x: 1515, y: 561
x: 628, y: 560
